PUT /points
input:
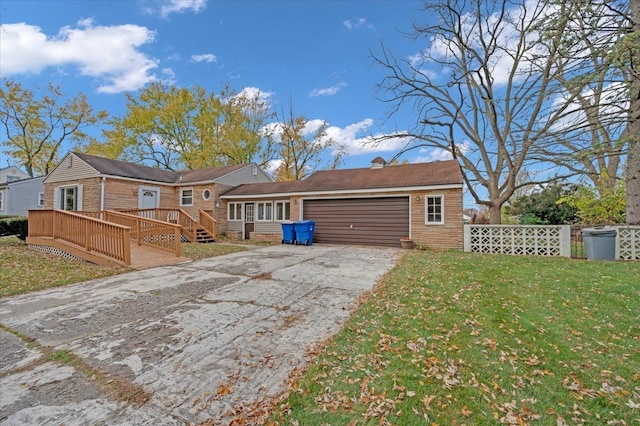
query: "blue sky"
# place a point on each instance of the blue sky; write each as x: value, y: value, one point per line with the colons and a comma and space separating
x: 315, y: 52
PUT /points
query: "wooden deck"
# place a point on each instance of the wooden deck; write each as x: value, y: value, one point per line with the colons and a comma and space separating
x: 144, y: 257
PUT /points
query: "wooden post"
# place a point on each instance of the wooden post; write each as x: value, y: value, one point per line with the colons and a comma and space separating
x: 176, y: 231
x: 87, y: 235
x: 138, y: 232
x: 126, y: 247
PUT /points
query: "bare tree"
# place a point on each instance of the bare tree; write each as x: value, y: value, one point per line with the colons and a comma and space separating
x: 483, y: 89
x: 631, y: 49
x: 588, y: 140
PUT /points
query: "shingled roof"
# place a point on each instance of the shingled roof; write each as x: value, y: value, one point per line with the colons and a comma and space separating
x: 390, y: 177
x: 107, y: 166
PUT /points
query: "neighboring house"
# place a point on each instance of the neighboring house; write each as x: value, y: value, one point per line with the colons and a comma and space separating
x: 9, y: 175
x: 20, y: 196
x: 12, y: 174
x: 83, y: 182
x: 371, y: 206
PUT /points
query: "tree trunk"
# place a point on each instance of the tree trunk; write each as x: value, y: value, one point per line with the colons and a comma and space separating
x: 633, y: 129
x: 495, y: 214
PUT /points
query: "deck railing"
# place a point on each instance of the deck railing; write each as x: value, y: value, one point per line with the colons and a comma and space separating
x: 90, y: 234
x: 207, y: 222
x: 148, y: 232
x: 177, y: 216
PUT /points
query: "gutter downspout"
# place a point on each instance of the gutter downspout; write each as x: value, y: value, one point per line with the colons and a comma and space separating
x: 104, y: 178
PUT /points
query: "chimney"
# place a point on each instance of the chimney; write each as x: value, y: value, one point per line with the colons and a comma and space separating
x: 378, y: 163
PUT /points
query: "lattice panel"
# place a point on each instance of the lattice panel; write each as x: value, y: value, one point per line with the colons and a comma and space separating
x: 54, y: 251
x: 629, y: 243
x: 516, y: 240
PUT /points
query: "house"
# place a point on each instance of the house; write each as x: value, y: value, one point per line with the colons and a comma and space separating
x: 17, y: 197
x: 371, y: 206
x: 9, y: 175
x: 82, y: 182
x: 12, y: 174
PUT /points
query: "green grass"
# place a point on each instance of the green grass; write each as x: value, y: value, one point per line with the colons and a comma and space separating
x: 460, y: 338
x: 25, y: 270
x: 196, y: 251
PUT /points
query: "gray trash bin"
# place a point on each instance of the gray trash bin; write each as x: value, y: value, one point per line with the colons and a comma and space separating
x: 599, y: 243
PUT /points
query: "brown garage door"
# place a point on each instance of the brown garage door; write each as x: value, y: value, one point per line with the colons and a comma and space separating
x: 370, y: 221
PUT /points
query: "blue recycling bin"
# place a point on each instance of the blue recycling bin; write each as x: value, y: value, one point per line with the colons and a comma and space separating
x: 288, y: 233
x: 304, y: 232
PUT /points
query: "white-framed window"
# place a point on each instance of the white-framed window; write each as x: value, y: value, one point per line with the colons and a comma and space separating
x: 206, y: 194
x: 265, y: 211
x: 12, y: 178
x: 1, y: 200
x: 68, y: 198
x: 40, y: 199
x: 186, y: 197
x: 283, y: 210
x: 434, y: 213
x: 235, y: 211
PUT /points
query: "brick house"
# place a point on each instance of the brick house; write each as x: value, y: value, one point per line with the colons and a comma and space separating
x: 82, y: 182
x: 370, y: 206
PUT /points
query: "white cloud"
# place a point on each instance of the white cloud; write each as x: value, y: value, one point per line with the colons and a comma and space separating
x: 272, y: 166
x: 435, y: 154
x: 108, y: 53
x: 205, y: 57
x: 168, y: 7
x: 358, y: 23
x: 354, y: 141
x: 254, y: 92
x: 329, y: 91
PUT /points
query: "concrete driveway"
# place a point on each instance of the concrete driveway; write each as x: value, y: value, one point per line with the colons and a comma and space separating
x: 203, y: 339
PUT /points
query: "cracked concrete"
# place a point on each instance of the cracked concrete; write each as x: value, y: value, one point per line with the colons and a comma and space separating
x: 200, y: 338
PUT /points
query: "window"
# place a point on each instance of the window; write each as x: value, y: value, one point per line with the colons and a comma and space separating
x: 13, y: 178
x: 1, y: 201
x: 40, y: 199
x: 283, y: 210
x: 186, y: 197
x: 435, y: 209
x: 265, y: 211
x: 206, y: 194
x: 69, y: 198
x: 235, y: 211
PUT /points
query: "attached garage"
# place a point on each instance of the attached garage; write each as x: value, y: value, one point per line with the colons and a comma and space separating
x: 367, y: 221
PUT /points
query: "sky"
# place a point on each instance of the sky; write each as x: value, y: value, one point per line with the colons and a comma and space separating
x: 316, y: 54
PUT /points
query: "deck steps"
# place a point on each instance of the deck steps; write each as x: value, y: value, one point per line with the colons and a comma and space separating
x: 202, y: 236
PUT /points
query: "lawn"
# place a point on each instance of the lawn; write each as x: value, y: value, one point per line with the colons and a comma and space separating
x: 450, y: 338
x: 23, y: 270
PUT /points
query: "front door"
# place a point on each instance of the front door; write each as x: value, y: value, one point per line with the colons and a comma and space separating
x: 249, y: 210
x: 148, y: 198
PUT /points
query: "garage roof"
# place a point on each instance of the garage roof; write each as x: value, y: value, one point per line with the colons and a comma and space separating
x: 389, y: 177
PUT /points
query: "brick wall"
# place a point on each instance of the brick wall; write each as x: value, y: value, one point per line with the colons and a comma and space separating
x: 448, y: 235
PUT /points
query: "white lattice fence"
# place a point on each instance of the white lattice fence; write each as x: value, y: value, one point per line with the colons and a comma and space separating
x: 537, y: 240
x: 628, y: 243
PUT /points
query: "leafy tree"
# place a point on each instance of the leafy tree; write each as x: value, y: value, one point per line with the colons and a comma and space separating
x: 180, y: 128
x: 606, y: 206
x: 488, y: 103
x: 36, y: 128
x: 301, y: 144
x: 542, y: 207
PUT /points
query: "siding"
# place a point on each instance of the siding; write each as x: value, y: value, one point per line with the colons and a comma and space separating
x: 78, y: 170
x: 22, y: 196
x: 243, y: 175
